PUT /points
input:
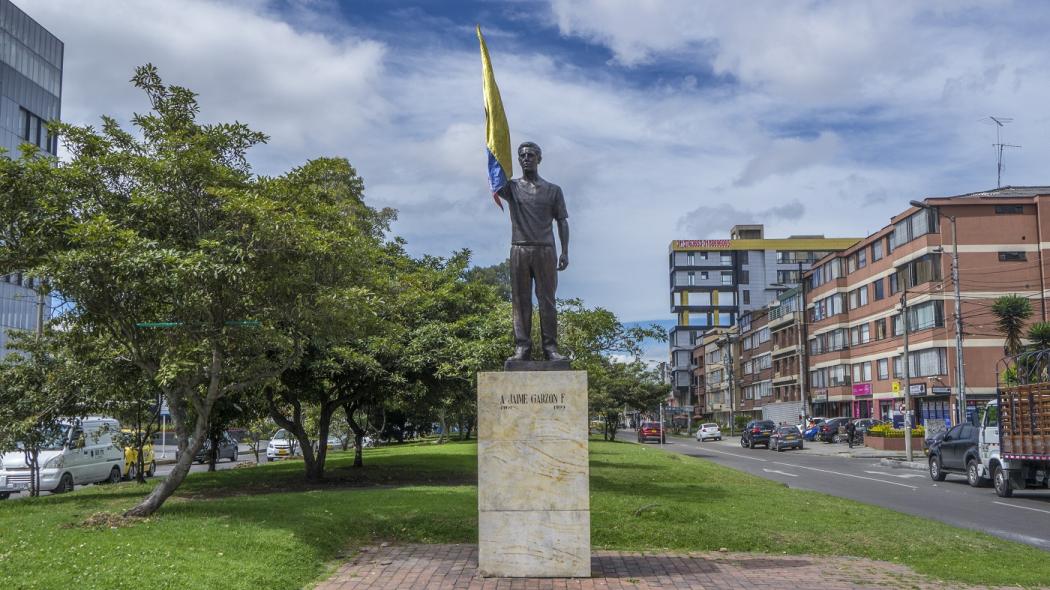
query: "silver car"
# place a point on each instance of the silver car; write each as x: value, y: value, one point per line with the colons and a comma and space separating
x: 708, y: 431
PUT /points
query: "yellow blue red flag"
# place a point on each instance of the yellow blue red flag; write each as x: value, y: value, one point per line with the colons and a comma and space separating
x: 497, y: 132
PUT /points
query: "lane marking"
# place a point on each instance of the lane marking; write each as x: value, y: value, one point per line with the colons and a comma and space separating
x: 892, y: 483
x: 900, y: 475
x: 1021, y: 507
x: 780, y: 472
x: 733, y: 454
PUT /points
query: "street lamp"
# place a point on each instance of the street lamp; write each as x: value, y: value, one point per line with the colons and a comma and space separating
x: 960, y: 373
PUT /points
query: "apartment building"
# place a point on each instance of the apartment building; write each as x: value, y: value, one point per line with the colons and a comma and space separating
x: 721, y: 369
x: 854, y: 331
x: 756, y: 362
x: 712, y: 282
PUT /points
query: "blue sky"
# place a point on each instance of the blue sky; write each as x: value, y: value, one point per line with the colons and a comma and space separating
x: 661, y: 119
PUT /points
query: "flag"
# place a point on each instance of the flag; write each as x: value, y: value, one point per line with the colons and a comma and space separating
x: 497, y: 132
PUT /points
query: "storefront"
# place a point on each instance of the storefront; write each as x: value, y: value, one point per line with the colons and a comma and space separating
x: 862, y: 400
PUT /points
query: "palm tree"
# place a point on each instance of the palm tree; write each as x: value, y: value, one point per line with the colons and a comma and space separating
x: 1039, y: 334
x: 1012, y: 312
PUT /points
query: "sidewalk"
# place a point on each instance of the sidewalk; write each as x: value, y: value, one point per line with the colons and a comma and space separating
x: 819, y: 448
x: 455, y: 567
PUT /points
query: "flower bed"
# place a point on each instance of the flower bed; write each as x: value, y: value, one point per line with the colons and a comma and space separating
x: 885, y: 443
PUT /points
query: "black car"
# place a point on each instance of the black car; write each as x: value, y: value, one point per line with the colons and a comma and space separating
x: 829, y: 429
x: 227, y: 450
x: 785, y: 437
x: 956, y: 452
x: 757, y: 433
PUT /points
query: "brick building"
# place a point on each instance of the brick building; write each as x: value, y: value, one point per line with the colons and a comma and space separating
x: 853, y: 302
x: 756, y: 362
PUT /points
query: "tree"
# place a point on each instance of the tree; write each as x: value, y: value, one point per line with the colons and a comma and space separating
x: 203, y: 275
x: 1039, y: 334
x: 1012, y: 312
x: 38, y: 396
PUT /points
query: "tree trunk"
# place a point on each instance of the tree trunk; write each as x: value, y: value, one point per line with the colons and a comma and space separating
x: 470, y: 427
x: 444, y: 426
x: 213, y: 452
x: 168, y: 485
x: 295, y: 426
x: 359, y: 433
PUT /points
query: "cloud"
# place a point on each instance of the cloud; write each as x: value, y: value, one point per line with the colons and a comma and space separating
x: 714, y: 221
x: 784, y: 156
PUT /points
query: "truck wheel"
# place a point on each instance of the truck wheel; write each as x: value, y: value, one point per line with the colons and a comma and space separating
x: 936, y: 473
x: 973, y: 474
x: 152, y: 469
x: 4, y: 495
x: 1002, y: 482
x: 64, y: 485
x: 114, y: 476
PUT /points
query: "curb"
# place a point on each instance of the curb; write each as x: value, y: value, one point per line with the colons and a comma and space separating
x: 903, y: 464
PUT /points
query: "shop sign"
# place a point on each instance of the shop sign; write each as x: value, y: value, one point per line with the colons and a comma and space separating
x: 940, y: 390
x: 705, y: 244
x: 860, y: 389
x: 820, y: 395
x: 917, y: 389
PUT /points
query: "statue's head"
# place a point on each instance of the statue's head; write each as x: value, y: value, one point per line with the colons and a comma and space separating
x: 529, y: 156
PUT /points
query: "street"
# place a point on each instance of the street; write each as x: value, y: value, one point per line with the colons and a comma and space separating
x: 163, y: 469
x: 1024, y: 518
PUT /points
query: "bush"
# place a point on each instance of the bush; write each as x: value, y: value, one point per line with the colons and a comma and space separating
x: 888, y: 431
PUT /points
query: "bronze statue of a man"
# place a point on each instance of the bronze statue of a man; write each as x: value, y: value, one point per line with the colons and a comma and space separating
x: 534, y: 205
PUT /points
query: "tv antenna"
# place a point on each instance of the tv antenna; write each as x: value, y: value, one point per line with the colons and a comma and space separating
x: 999, y: 123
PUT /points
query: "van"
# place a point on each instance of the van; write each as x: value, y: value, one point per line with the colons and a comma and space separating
x: 81, y: 452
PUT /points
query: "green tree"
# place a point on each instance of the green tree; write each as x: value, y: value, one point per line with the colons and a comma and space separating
x: 1039, y: 334
x: 1012, y: 312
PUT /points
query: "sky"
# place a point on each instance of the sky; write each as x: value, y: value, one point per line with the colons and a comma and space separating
x: 660, y: 119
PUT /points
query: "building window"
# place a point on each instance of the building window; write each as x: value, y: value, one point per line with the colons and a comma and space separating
x: 1012, y: 257
x: 884, y: 369
x: 745, y: 277
x: 860, y: 334
x: 878, y: 288
x: 727, y: 278
x: 862, y: 372
x: 703, y: 276
x: 787, y: 277
x: 894, y: 284
x: 862, y: 258
x: 927, y: 363
x: 876, y: 250
x: 1009, y: 209
x: 692, y: 278
x: 742, y: 256
x: 690, y: 259
x: 921, y: 317
x: 726, y: 259
x: 858, y: 297
x: 747, y: 297
x: 25, y: 123
x: 880, y: 329
x: 914, y: 226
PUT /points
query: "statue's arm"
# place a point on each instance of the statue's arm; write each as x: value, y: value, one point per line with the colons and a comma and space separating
x: 505, y: 192
x: 563, y: 237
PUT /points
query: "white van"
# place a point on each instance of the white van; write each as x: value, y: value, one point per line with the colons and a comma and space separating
x: 81, y: 452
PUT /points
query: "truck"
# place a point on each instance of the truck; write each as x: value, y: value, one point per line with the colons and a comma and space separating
x: 1014, y: 440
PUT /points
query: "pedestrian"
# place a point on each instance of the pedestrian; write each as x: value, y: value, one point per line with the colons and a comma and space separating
x: 851, y: 429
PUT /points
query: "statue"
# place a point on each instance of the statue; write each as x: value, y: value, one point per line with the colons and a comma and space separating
x: 534, y: 205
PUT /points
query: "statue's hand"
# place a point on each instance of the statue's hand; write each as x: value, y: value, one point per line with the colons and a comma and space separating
x: 563, y: 262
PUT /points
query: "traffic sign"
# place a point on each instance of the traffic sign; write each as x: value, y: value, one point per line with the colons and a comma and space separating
x: 896, y: 387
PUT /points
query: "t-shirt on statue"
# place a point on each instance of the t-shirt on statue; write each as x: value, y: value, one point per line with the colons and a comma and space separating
x: 533, y: 208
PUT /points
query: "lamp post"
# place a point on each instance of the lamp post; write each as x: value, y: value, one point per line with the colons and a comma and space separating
x: 960, y: 372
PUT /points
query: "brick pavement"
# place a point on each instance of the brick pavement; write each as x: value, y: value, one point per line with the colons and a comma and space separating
x: 454, y: 567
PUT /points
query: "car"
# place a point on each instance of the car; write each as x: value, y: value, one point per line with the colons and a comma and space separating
x: 131, y: 457
x: 829, y: 429
x: 77, y: 452
x: 863, y: 425
x: 708, y: 431
x: 282, y: 445
x: 228, y: 449
x: 757, y: 433
x: 651, y: 431
x: 957, y: 452
x: 811, y: 431
x: 785, y: 437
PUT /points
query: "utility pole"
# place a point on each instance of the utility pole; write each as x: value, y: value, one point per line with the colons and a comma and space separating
x: 960, y: 370
x: 663, y: 425
x: 907, y: 373
x: 800, y: 322
x: 729, y: 373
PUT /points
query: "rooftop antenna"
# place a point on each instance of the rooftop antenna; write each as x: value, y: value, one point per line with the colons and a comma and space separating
x: 999, y: 123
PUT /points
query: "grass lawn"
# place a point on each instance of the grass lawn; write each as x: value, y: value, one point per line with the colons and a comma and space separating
x: 263, y: 528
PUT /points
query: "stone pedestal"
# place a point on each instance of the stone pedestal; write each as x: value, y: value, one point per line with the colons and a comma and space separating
x: 534, y: 516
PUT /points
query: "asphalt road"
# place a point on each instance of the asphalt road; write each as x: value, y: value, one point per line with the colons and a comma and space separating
x: 1025, y: 517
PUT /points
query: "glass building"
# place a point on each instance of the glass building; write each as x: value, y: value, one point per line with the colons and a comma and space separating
x: 30, y: 96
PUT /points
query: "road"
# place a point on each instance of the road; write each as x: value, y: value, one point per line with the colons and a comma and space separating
x: 1025, y: 517
x: 163, y: 470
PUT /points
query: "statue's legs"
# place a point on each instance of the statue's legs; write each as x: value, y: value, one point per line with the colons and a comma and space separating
x: 521, y: 299
x: 545, y: 272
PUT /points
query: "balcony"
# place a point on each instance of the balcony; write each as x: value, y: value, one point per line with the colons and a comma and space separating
x: 784, y: 350
x: 784, y: 378
x: 784, y: 320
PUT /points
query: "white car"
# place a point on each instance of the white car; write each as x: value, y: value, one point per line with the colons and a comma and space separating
x: 709, y: 430
x: 78, y: 453
x: 282, y: 445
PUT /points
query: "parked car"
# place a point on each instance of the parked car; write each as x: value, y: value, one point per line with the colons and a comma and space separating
x: 829, y: 430
x: 131, y: 458
x: 757, y: 433
x: 227, y: 450
x: 282, y: 445
x: 956, y: 452
x: 864, y: 424
x: 78, y: 452
x: 708, y: 431
x: 785, y: 437
x: 651, y: 431
x: 811, y: 431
